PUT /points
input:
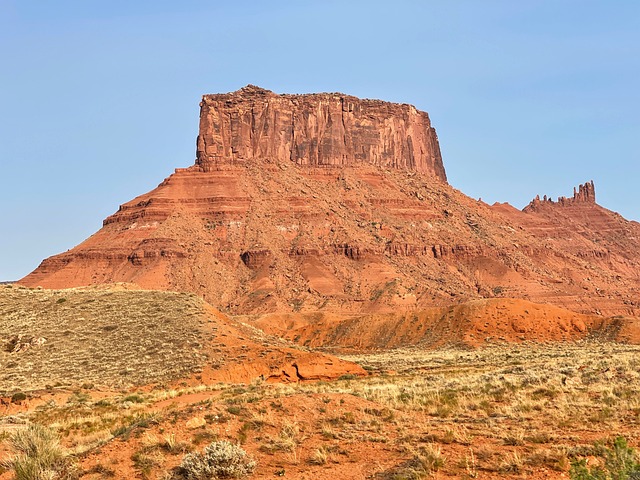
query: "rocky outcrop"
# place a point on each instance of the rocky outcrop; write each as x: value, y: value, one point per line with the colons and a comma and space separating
x: 585, y: 194
x: 326, y: 129
x: 255, y: 258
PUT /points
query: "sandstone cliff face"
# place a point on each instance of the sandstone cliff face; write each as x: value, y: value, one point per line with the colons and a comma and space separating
x: 328, y: 129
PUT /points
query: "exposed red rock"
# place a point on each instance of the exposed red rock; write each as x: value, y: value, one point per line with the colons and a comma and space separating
x: 471, y: 324
x: 326, y: 129
x: 585, y: 194
x: 307, y: 202
x: 247, y: 354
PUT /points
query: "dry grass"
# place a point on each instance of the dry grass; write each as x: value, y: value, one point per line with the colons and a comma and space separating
x: 38, y: 455
x: 586, y: 384
x: 516, y: 408
x: 500, y: 412
x: 114, y: 338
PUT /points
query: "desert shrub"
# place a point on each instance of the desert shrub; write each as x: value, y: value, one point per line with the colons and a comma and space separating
x: 39, y: 456
x: 18, y: 397
x: 220, y: 459
x: 618, y: 462
x: 133, y: 398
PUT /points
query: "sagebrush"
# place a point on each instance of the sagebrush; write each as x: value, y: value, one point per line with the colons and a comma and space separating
x: 220, y: 459
x: 617, y: 462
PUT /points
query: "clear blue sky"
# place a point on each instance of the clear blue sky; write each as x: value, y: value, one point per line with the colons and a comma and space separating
x: 99, y: 99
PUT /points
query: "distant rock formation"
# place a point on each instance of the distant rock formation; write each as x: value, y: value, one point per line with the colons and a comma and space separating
x: 585, y: 194
x: 324, y: 129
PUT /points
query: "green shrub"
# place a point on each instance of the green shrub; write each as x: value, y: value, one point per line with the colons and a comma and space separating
x: 39, y: 456
x: 220, y: 459
x: 620, y: 462
x: 133, y: 398
x: 18, y: 397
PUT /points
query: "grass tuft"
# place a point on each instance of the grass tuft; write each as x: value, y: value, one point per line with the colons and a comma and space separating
x: 39, y: 456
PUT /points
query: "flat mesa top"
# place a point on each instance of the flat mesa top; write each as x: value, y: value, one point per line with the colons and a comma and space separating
x: 255, y: 92
x: 320, y: 129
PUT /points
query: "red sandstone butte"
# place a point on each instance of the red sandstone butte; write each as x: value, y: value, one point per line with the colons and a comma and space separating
x: 300, y: 203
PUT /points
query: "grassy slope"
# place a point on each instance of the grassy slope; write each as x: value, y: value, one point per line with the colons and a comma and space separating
x: 106, y: 337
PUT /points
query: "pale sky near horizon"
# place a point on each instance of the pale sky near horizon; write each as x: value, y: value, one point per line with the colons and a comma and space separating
x: 99, y: 99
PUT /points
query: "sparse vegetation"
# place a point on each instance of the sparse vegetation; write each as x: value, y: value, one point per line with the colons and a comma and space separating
x: 616, y: 462
x: 220, y: 459
x: 135, y: 423
x: 146, y: 460
x: 320, y: 456
x: 424, y: 462
x: 172, y: 445
x: 97, y: 336
x: 500, y: 411
x: 286, y: 441
x: 511, y: 411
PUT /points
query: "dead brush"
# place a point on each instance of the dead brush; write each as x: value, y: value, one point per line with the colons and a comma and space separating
x: 320, y: 456
x: 81, y: 443
x: 512, y: 463
x: 136, y: 423
x: 514, y: 439
x: 144, y: 461
x: 457, y: 434
x: 261, y: 420
x: 172, y: 445
x: 424, y: 462
x: 556, y: 459
x: 329, y: 432
x: 102, y: 470
x: 286, y: 441
x: 468, y: 463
